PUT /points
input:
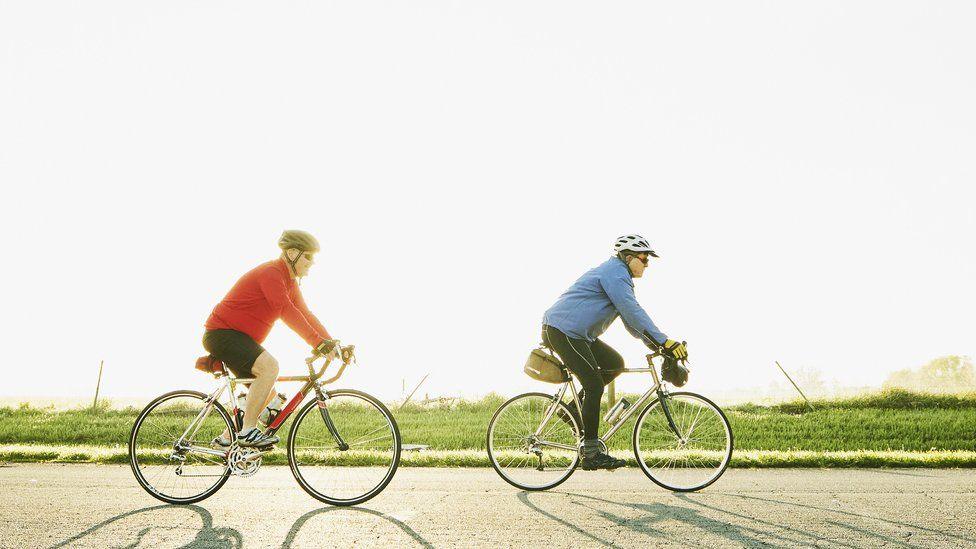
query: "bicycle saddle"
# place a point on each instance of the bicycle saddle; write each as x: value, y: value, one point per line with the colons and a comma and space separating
x: 211, y: 365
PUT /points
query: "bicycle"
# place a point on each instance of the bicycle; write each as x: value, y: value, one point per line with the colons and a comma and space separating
x: 682, y: 440
x: 343, y: 455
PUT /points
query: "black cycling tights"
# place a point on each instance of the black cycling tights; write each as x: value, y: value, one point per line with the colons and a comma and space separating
x: 595, y: 364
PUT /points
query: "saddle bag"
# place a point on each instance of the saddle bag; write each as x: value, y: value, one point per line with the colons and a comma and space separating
x: 544, y: 366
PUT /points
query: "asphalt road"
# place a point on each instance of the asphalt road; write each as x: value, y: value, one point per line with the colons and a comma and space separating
x: 102, y: 506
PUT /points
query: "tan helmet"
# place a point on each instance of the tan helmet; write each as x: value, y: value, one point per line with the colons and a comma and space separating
x: 299, y: 240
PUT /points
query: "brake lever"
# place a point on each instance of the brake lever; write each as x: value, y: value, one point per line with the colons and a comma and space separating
x: 348, y: 354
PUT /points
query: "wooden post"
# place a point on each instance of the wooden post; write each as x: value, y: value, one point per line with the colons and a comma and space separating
x: 406, y: 400
x: 795, y: 386
x: 612, y: 394
x: 99, y: 384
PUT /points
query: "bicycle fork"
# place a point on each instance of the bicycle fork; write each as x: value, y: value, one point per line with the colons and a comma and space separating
x: 663, y: 398
x: 327, y: 419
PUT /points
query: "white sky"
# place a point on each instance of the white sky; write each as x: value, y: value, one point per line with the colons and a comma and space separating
x: 804, y: 169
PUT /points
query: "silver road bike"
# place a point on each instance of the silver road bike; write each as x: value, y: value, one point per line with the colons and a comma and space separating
x: 682, y: 440
x: 343, y: 445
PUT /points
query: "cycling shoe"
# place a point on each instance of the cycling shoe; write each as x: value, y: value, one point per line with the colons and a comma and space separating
x: 601, y: 461
x: 220, y: 442
x: 254, y: 438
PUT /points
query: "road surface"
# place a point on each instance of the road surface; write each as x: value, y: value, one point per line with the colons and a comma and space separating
x: 102, y: 506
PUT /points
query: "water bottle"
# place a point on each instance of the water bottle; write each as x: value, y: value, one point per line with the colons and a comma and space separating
x: 239, y: 413
x: 618, y: 409
x: 271, y: 411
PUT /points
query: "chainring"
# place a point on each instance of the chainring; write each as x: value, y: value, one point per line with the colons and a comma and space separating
x: 244, y: 462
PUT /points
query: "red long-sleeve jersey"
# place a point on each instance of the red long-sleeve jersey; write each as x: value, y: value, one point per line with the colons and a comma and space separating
x: 263, y: 295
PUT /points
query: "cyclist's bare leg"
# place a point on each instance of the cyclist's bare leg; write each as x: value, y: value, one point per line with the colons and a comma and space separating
x: 265, y: 371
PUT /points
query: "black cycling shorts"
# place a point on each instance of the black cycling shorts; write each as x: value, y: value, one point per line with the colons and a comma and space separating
x: 235, y: 349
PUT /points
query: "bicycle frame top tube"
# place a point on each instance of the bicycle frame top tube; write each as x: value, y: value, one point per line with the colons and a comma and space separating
x: 310, y: 381
x: 312, y: 375
x: 654, y: 389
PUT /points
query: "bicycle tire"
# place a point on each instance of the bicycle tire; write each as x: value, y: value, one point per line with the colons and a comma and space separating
x: 493, y: 458
x: 372, y: 492
x: 726, y: 456
x: 134, y: 463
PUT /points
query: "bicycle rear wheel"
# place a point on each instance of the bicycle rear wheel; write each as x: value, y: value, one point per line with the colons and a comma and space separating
x: 528, y: 460
x: 344, y: 450
x: 168, y: 447
x: 694, y: 457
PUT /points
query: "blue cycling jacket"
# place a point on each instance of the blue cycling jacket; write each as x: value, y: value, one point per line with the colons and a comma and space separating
x: 594, y: 301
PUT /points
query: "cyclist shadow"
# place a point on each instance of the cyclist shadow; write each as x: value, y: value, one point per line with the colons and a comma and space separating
x: 858, y: 516
x: 351, y: 512
x: 654, y: 513
x: 740, y: 528
x: 114, y: 531
x: 759, y: 533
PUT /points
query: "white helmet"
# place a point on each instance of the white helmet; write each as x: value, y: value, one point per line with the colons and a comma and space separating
x: 633, y: 243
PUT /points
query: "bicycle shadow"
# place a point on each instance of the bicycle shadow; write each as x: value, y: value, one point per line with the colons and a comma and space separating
x: 760, y: 531
x: 904, y: 473
x: 957, y: 537
x: 652, y: 514
x: 656, y: 520
x: 302, y: 520
x: 523, y: 497
x: 154, y: 535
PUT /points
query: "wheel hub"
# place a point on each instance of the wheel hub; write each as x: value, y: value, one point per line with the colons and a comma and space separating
x: 180, y: 447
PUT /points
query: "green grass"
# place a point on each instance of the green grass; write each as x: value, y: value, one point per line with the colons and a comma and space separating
x: 478, y: 458
x: 890, y: 428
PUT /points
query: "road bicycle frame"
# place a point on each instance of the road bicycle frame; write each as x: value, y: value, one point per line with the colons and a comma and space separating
x: 311, y: 382
x: 656, y: 390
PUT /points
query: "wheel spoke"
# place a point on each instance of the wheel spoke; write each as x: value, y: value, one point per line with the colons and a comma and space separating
x: 692, y: 463
x: 345, y: 477
x: 516, y: 452
x: 158, y: 428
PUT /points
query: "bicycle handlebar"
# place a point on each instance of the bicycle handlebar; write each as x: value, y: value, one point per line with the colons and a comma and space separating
x: 346, y: 354
x: 651, y: 356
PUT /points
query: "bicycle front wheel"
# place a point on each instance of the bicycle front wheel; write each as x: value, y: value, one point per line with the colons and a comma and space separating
x: 692, y: 458
x: 345, y: 449
x: 169, y: 447
x: 528, y: 453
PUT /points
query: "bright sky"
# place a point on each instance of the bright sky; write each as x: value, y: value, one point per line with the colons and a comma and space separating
x: 805, y: 171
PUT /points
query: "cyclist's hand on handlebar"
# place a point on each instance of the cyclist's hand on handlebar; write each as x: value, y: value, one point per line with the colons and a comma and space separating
x: 326, y: 347
x: 676, y: 349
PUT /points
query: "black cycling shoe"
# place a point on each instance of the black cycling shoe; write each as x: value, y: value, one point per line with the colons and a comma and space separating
x: 602, y: 461
x: 254, y: 438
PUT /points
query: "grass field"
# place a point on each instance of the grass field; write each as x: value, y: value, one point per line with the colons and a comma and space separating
x: 894, y: 428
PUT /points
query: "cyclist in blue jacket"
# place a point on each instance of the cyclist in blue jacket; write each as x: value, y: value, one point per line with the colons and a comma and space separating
x: 573, y: 325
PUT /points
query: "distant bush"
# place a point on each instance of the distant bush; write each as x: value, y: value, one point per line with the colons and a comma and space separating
x: 889, y: 399
x: 947, y: 374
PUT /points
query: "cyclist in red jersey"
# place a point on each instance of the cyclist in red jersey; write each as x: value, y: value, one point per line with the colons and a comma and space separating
x: 241, y: 321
